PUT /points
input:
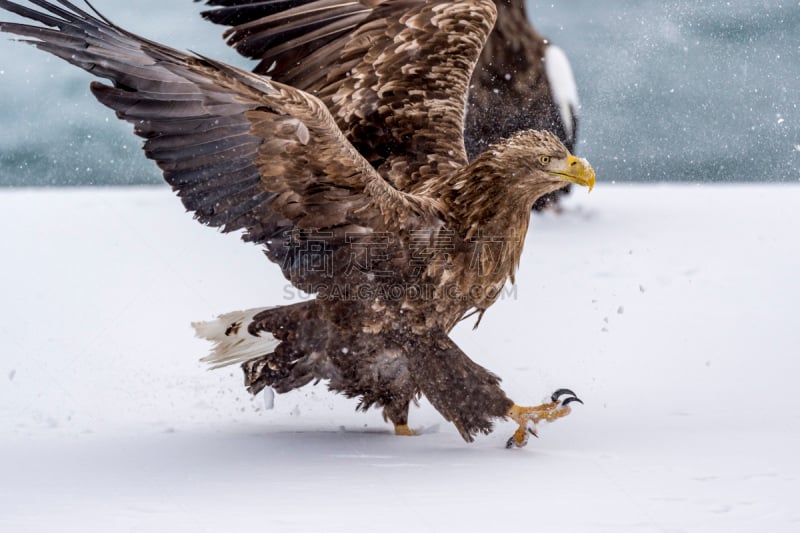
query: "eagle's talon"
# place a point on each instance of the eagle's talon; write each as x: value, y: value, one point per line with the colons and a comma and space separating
x: 570, y: 400
x: 562, y: 392
x: 528, y: 418
x: 518, y: 440
x: 404, y: 431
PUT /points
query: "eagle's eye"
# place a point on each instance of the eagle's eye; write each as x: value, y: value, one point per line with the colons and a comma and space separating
x: 544, y: 159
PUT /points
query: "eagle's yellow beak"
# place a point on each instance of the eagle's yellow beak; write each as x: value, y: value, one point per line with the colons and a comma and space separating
x: 575, y: 170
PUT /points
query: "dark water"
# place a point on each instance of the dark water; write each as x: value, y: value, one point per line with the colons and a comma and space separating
x: 670, y: 91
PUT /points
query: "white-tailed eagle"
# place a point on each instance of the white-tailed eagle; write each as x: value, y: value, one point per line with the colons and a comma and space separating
x: 369, y: 202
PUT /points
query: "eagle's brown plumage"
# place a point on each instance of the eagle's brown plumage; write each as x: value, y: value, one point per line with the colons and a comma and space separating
x: 298, y: 41
x: 397, y: 234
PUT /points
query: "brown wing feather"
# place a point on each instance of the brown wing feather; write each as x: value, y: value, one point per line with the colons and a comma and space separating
x: 242, y: 152
x: 284, y: 34
x: 395, y: 76
x: 400, y: 89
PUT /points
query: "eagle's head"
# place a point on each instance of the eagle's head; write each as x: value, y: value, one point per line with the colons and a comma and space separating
x: 498, y: 189
x: 539, y: 163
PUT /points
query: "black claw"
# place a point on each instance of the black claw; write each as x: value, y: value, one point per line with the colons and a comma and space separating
x: 532, y: 432
x: 561, y: 392
x: 570, y: 400
x: 510, y: 443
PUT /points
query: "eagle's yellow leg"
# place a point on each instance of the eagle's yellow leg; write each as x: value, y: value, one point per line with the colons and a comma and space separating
x: 403, y: 430
x: 529, y: 417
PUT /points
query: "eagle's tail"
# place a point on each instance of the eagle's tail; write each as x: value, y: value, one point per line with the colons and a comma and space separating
x: 277, y: 347
x: 233, y: 341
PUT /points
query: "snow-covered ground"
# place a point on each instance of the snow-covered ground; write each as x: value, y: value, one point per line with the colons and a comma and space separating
x: 671, y: 310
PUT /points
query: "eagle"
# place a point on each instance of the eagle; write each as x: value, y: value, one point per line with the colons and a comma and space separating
x: 522, y: 81
x: 369, y: 202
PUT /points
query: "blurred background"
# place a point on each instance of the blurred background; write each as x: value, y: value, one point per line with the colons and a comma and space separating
x: 670, y: 91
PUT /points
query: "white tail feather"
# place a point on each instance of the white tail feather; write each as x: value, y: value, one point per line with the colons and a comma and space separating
x: 562, y: 86
x: 233, y: 343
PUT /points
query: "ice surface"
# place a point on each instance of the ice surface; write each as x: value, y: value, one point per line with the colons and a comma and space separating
x: 691, y: 421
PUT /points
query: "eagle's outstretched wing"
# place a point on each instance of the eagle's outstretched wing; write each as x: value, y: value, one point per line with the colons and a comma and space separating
x: 394, y: 74
x: 400, y: 87
x: 242, y: 152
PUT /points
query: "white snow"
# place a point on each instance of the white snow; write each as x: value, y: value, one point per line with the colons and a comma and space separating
x: 108, y: 421
x: 269, y: 398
